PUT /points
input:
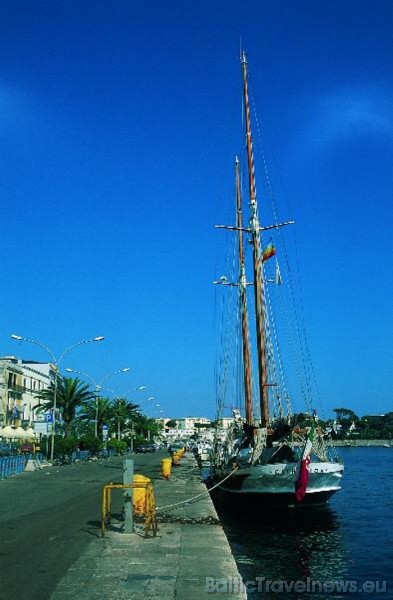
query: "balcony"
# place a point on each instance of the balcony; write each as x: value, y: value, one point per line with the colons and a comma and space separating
x: 17, y: 389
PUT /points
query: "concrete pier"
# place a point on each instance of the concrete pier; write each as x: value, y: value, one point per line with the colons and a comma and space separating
x: 190, y: 547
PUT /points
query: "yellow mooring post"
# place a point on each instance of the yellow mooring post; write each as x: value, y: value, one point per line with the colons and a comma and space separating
x: 166, y: 467
x: 140, y: 492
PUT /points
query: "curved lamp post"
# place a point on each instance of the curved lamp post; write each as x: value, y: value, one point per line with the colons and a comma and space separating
x: 98, y: 386
x: 56, y: 362
x: 140, y: 388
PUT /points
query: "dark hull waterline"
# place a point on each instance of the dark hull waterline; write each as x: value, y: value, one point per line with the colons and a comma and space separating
x: 277, y: 501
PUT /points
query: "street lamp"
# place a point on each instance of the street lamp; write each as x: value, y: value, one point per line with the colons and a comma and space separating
x: 98, y: 386
x: 56, y: 362
x: 140, y: 388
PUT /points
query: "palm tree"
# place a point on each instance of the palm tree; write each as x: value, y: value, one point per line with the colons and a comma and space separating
x: 71, y: 395
x: 100, y: 408
x: 122, y: 411
x: 147, y: 426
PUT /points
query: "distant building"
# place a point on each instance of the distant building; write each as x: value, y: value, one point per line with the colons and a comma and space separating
x: 185, y: 428
x: 20, y: 382
x: 162, y: 421
x: 225, y: 422
x: 190, y: 422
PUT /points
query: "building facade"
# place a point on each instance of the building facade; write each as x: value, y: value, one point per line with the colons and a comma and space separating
x: 20, y: 383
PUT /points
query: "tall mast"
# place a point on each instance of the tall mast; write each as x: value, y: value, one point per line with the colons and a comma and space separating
x: 243, y: 302
x: 255, y: 236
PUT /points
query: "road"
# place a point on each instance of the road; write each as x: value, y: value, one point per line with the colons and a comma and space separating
x: 49, y: 517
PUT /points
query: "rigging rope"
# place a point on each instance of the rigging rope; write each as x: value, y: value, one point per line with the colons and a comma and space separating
x: 279, y: 356
x: 301, y: 336
x: 229, y: 329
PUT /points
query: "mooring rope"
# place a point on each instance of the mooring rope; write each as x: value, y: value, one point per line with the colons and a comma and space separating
x: 198, y: 496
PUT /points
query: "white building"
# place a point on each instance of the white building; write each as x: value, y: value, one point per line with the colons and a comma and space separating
x: 162, y: 421
x: 185, y: 428
x: 190, y: 422
x: 225, y: 422
x: 20, y: 383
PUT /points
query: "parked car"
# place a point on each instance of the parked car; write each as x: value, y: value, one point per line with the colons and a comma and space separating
x: 175, y: 446
x: 145, y: 448
x: 27, y: 449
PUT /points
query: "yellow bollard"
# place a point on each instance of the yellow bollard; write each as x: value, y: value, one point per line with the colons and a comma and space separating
x: 175, y: 459
x: 166, y: 467
x: 139, y: 495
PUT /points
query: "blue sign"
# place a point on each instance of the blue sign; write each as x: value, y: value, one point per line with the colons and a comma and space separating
x: 105, y: 428
x: 48, y: 418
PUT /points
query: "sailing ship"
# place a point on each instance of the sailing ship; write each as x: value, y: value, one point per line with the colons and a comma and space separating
x: 266, y: 454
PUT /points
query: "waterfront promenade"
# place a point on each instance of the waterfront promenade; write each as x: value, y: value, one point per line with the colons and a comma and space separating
x: 189, y: 547
x: 53, y: 549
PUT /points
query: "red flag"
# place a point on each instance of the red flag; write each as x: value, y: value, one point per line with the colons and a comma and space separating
x: 304, y: 471
x: 302, y: 481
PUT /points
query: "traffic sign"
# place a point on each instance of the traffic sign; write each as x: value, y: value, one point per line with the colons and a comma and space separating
x: 48, y: 418
x: 41, y: 428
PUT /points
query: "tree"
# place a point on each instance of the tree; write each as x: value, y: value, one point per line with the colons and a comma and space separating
x: 171, y: 424
x: 71, y: 395
x: 387, y: 426
x: 146, y: 426
x: 121, y: 412
x: 88, y: 441
x: 99, y: 408
x: 345, y: 413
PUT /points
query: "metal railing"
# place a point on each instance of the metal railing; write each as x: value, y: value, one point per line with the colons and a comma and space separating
x: 11, y: 465
x: 149, y: 510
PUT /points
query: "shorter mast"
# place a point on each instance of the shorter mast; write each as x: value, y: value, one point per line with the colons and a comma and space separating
x: 243, y: 302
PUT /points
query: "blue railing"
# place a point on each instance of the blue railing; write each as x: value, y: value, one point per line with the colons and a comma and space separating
x: 14, y: 464
x: 11, y: 465
x: 107, y: 453
x: 80, y: 455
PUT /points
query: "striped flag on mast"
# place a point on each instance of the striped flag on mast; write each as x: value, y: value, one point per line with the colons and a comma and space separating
x: 268, y: 251
x: 304, y: 471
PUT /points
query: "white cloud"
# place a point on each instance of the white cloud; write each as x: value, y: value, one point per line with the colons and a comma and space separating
x: 349, y: 114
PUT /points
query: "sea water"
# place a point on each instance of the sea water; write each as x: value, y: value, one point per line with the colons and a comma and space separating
x: 344, y: 550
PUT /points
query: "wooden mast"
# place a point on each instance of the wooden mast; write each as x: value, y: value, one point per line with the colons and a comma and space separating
x: 258, y: 286
x: 243, y: 302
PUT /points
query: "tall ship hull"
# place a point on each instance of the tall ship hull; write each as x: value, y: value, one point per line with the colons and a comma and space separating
x: 274, y: 485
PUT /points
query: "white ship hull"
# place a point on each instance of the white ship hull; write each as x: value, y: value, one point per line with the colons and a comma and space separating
x: 275, y: 483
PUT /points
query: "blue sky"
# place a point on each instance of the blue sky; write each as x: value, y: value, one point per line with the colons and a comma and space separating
x: 119, y: 123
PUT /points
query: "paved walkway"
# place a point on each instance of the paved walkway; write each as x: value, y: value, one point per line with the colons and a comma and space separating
x: 190, y: 546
